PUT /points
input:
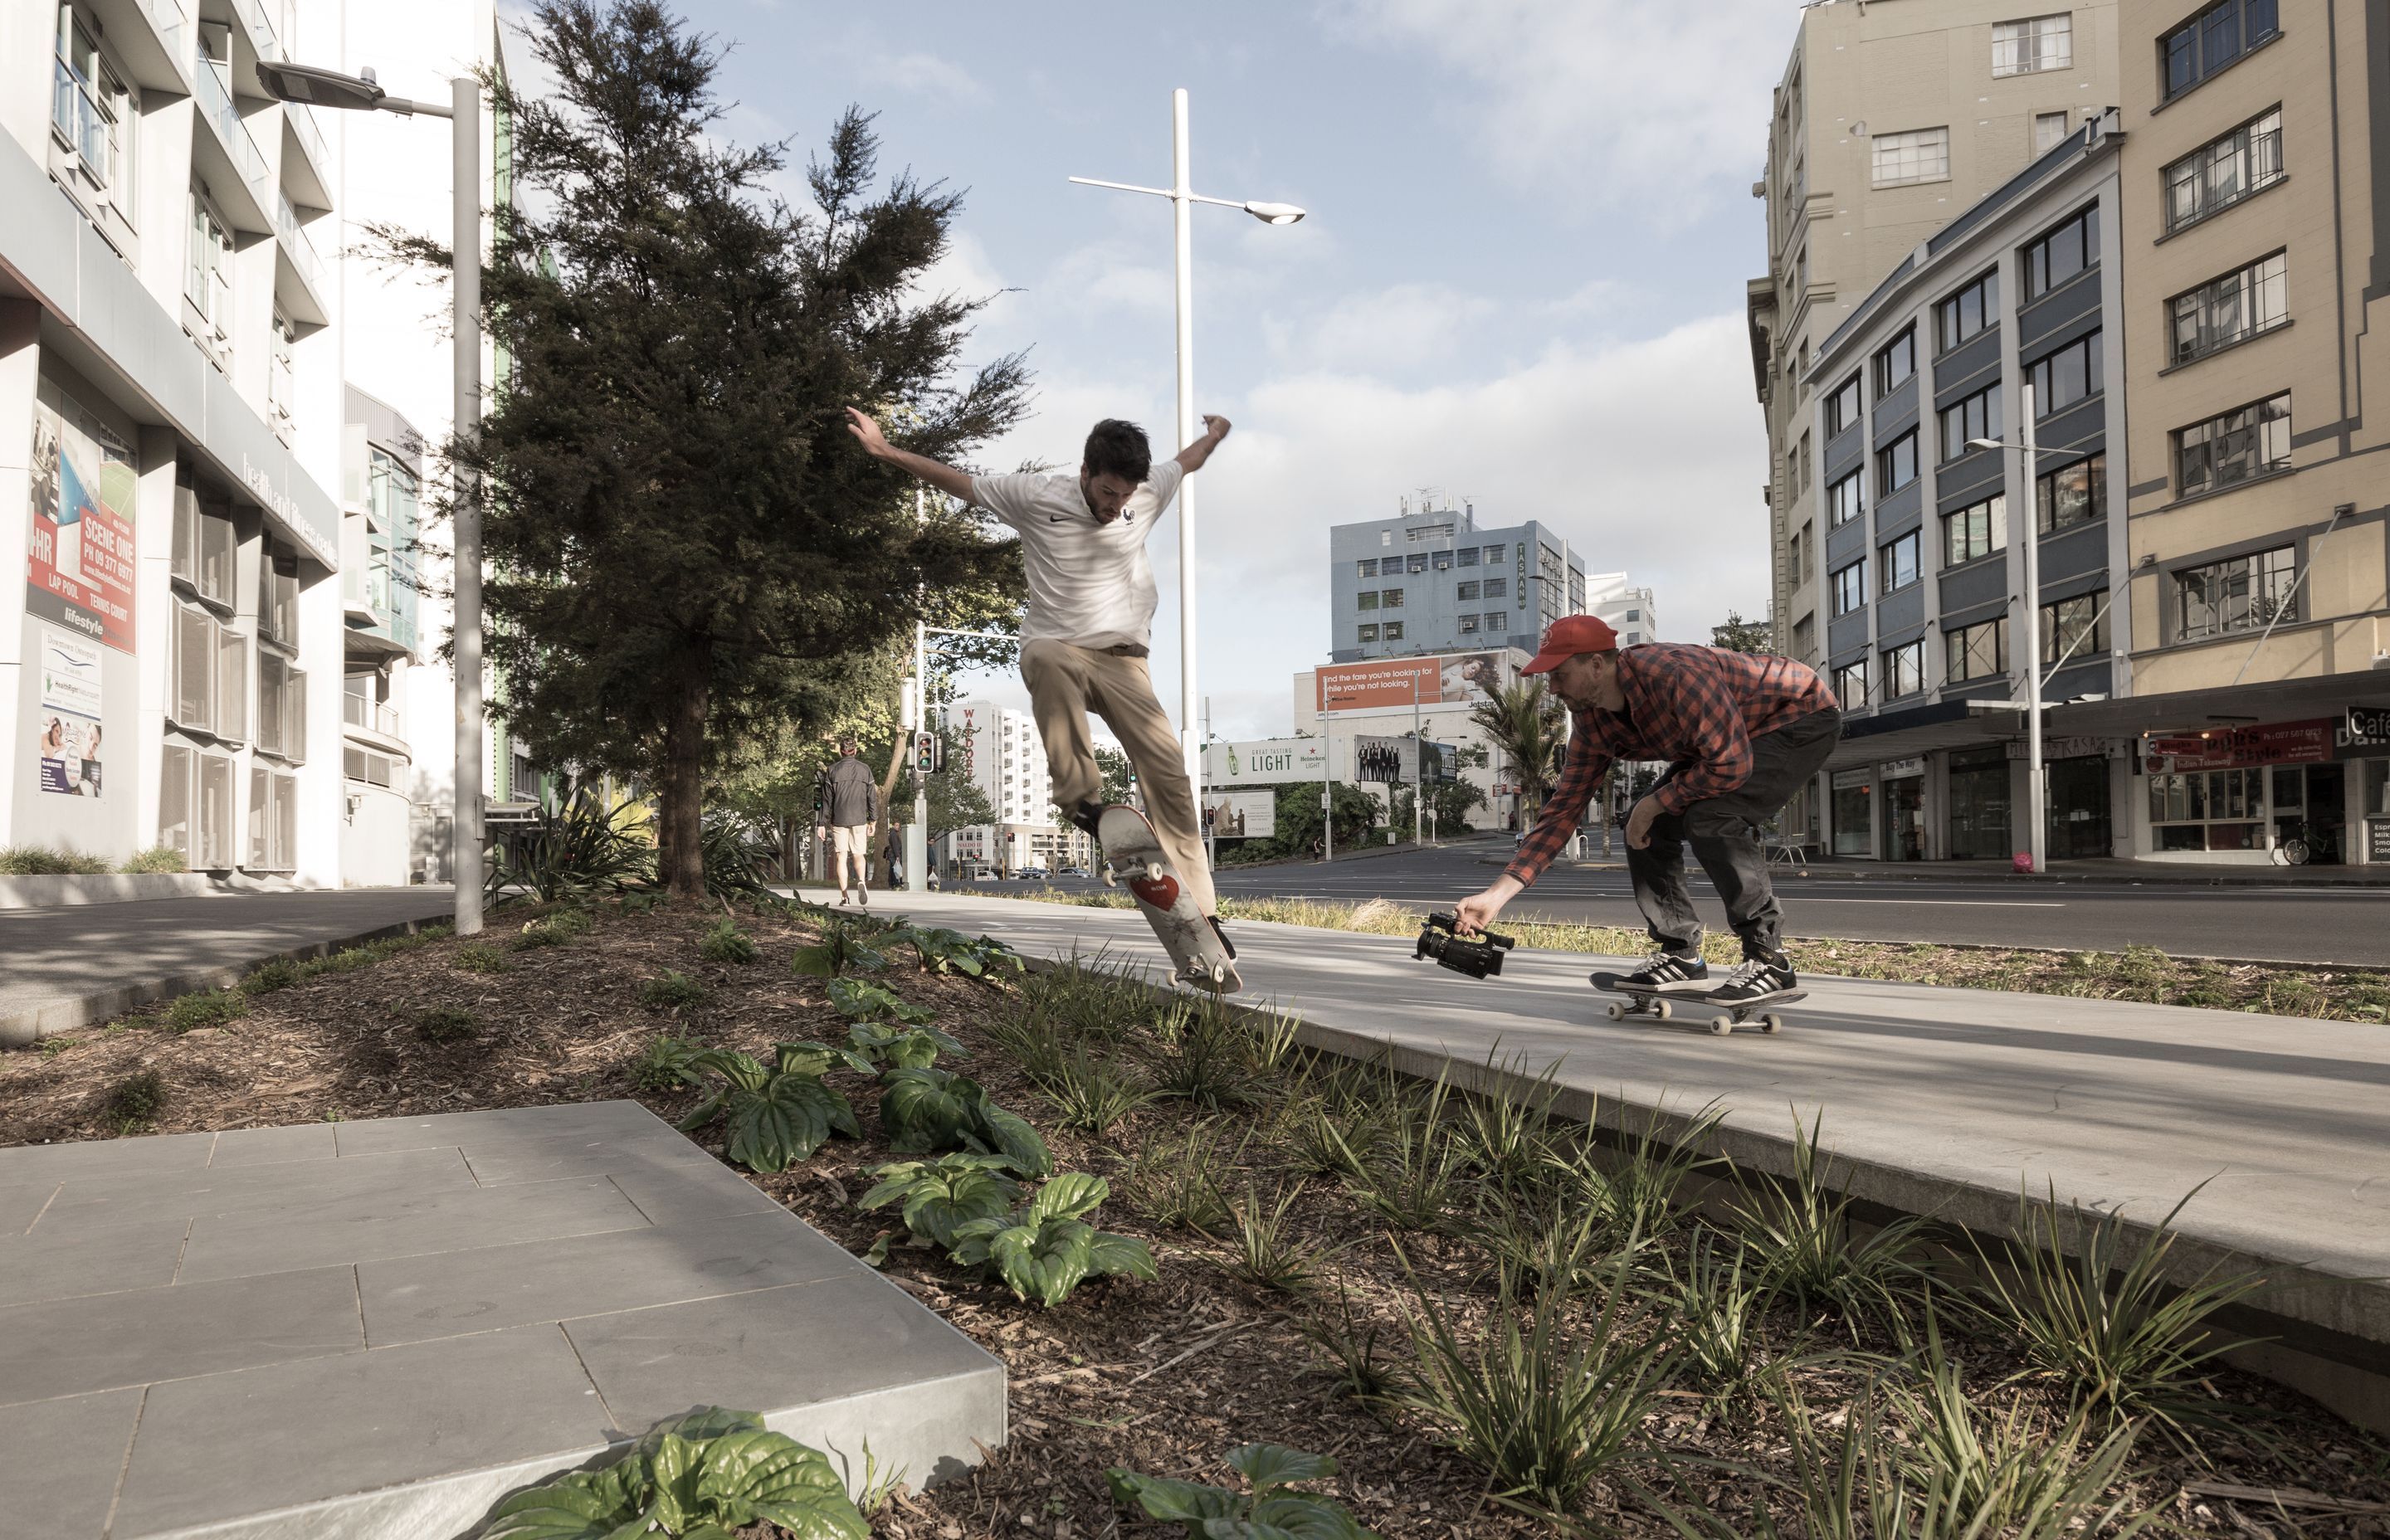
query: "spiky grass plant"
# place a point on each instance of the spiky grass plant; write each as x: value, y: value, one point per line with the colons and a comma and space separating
x: 1175, y: 1180
x: 1414, y: 1181
x: 1511, y: 1142
x: 1204, y: 1055
x: 1271, y: 1252
x: 1808, y: 1248
x: 1717, y: 1304
x: 1351, y: 1341
x: 1085, y: 1092
x: 670, y: 989
x: 1644, y: 1176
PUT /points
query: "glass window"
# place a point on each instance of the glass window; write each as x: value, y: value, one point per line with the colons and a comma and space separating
x: 1967, y: 313
x: 1368, y: 566
x: 2233, y: 308
x: 1416, y: 562
x: 1850, y: 587
x: 174, y: 830
x: 1368, y: 633
x: 1843, y: 406
x: 1975, y: 530
x: 2207, y: 809
x: 1896, y: 465
x: 1974, y: 416
x: 1394, y: 631
x: 1844, y: 501
x: 1919, y: 155
x: 2034, y: 44
x: 2225, y: 171
x: 2234, y: 446
x: 1978, y: 651
x: 2061, y: 253
x: 1493, y: 553
x: 2246, y: 593
x: 1895, y: 363
x: 1898, y: 560
x: 1440, y: 561
x: 232, y: 685
x: 1368, y: 600
x: 1467, y: 555
x: 194, y: 669
x: 2071, y: 374
x: 1854, y: 813
x: 2213, y: 40
x: 207, y: 271
x: 1392, y: 597
x: 215, y: 812
x: 1468, y: 624
x: 1496, y: 588
x: 1465, y: 591
x: 1904, y: 669
x: 1850, y: 685
x: 2071, y: 495
x: 2049, y: 132
x: 2074, y: 629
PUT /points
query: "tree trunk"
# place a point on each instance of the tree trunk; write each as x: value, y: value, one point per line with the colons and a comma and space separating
x: 681, y: 849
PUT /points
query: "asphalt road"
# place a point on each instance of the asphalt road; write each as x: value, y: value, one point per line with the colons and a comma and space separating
x: 2279, y: 923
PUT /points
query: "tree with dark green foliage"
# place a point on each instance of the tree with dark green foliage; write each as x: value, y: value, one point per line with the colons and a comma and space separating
x: 1740, y: 636
x: 686, y: 553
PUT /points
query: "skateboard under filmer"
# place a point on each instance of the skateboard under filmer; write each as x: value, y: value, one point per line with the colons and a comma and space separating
x: 1133, y: 856
x: 1721, y: 1018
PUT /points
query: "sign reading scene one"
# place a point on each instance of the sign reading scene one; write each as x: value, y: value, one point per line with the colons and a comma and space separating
x: 79, y: 559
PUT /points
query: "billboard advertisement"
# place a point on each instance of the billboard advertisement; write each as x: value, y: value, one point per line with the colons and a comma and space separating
x: 1242, y: 814
x: 79, y: 559
x: 65, y: 729
x: 1395, y: 761
x: 1264, y: 762
x: 1449, y: 679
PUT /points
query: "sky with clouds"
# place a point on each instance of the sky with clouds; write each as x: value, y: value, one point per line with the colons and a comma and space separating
x: 1520, y: 280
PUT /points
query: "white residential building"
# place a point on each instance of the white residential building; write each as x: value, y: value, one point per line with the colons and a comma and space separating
x: 1631, y: 612
x: 1004, y: 758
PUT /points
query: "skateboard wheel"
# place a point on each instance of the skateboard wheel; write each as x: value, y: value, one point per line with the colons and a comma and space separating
x: 1721, y: 1025
x: 1771, y: 1024
x: 1615, y: 1012
x: 1660, y: 1009
x: 1153, y: 871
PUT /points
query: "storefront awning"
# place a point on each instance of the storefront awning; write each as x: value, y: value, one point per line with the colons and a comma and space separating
x: 1915, y: 730
x: 2195, y: 710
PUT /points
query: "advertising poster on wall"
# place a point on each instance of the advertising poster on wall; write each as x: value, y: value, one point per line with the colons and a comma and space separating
x: 1263, y: 762
x: 1450, y: 679
x: 79, y: 560
x: 1242, y: 814
x: 65, y: 729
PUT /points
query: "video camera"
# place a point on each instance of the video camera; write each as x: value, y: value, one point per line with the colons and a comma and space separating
x: 1440, y: 938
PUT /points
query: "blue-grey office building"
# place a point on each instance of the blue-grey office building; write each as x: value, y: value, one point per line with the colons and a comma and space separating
x: 1929, y: 636
x: 1431, y: 580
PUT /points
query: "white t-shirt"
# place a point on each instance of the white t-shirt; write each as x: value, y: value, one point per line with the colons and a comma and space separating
x: 1089, y: 583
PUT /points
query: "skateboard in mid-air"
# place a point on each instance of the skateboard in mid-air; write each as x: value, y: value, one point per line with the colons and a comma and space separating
x: 1133, y: 856
x: 1662, y: 1005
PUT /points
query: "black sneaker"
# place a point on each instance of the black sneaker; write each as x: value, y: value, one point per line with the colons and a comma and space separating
x: 1757, y: 978
x: 1225, y: 944
x: 1088, y: 817
x: 1666, y: 973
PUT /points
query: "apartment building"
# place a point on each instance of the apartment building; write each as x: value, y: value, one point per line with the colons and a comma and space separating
x: 1929, y: 640
x: 1004, y: 758
x: 1891, y: 118
x: 170, y: 431
x: 381, y: 600
x: 1632, y: 612
x: 1429, y: 580
x: 2255, y: 239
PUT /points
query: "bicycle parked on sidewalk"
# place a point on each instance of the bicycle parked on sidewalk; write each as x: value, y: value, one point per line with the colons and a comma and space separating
x: 2299, y: 841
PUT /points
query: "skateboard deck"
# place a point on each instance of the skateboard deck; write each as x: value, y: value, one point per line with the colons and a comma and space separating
x: 1133, y: 857
x: 1718, y: 1016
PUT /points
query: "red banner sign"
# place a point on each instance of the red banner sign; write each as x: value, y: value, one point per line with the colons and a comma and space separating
x: 79, y: 554
x: 2242, y: 748
x: 1450, y: 679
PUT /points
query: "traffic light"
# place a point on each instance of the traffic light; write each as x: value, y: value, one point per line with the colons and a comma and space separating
x: 928, y: 753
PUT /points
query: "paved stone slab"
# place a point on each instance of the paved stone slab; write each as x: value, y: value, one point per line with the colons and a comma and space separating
x: 82, y: 1205
x: 440, y: 1296
x: 99, y: 1341
x: 399, y: 1222
x: 592, y: 1119
x: 681, y: 1194
x: 284, y: 1438
x: 98, y: 1262
x: 91, y: 1159
x: 62, y: 1461
x: 258, y: 1147
x: 501, y: 1163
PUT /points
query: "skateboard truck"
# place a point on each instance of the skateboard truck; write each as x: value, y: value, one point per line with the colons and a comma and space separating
x: 1723, y: 1018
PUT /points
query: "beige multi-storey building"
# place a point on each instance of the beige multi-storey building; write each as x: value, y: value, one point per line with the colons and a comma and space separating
x: 2254, y: 244
x: 1892, y: 118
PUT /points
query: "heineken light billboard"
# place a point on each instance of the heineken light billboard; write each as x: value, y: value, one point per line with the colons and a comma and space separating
x: 1264, y: 762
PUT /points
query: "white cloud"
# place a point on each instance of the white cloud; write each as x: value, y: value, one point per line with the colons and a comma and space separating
x: 923, y: 74
x: 1410, y: 326
x: 1620, y: 104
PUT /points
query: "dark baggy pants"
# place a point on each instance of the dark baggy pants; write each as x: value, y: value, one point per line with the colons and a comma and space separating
x: 1723, y: 833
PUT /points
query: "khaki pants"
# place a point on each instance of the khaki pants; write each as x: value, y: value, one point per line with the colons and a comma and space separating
x: 1066, y: 683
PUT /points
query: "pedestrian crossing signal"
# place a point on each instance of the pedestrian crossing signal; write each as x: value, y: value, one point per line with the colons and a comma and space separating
x: 928, y: 753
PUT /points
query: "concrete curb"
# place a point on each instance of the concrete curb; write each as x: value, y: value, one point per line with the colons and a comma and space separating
x: 2264, y: 877
x: 29, y: 1027
x: 59, y: 892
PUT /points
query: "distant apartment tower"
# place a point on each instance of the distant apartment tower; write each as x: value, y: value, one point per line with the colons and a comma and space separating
x: 1004, y: 757
x: 1632, y: 612
x: 1893, y: 116
x: 1431, y: 580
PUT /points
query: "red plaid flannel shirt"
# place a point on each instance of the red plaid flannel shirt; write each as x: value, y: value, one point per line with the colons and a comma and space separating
x: 1696, y: 707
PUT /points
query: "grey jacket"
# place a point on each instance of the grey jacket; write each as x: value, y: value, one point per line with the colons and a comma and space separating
x: 846, y: 795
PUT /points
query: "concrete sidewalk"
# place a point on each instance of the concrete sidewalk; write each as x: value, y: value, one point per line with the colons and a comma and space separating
x: 66, y: 967
x: 1945, y: 1102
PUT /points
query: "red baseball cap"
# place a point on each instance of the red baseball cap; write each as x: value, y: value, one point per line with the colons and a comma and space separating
x: 1570, y: 635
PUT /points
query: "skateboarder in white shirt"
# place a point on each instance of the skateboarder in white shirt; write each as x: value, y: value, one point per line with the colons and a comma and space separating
x: 1091, y: 599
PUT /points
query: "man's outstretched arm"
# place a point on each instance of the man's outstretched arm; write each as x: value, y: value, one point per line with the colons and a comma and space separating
x: 1191, y: 458
x: 946, y: 478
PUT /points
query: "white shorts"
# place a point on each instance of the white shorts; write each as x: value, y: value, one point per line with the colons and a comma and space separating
x: 850, y: 839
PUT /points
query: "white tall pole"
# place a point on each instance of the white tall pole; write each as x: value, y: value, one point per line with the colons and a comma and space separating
x: 2036, y: 787
x: 465, y: 277
x: 916, y: 839
x: 1327, y: 788
x: 1419, y: 770
x: 1182, y: 205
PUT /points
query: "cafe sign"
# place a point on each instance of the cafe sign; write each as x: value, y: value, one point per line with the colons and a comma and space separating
x: 2241, y: 748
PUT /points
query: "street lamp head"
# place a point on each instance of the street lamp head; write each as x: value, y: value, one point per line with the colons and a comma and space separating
x: 311, y: 86
x: 1985, y: 443
x: 1275, y: 214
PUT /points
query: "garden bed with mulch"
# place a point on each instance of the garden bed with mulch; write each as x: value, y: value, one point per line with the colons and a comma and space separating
x: 1452, y: 1300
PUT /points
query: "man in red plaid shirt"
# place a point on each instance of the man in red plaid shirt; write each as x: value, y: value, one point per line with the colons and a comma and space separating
x: 1742, y: 734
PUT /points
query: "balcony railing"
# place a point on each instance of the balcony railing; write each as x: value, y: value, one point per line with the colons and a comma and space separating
x: 295, y: 241
x: 374, y: 715
x: 215, y: 104
x: 173, y: 30
x: 311, y: 139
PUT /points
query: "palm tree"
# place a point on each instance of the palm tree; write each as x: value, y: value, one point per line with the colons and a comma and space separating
x: 1529, y: 729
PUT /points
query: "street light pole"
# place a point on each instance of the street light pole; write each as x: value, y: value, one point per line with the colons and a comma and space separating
x: 2037, y: 776
x: 1419, y: 770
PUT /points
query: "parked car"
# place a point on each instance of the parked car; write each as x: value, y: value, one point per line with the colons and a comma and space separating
x: 978, y: 871
x: 1033, y: 874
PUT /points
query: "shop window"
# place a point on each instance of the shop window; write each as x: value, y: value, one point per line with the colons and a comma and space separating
x: 2207, y: 810
x: 1854, y: 813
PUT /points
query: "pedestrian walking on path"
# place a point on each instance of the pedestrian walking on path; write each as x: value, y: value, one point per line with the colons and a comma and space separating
x: 1742, y: 733
x: 846, y: 804
x: 1091, y: 600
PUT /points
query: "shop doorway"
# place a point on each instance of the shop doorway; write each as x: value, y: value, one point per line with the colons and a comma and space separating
x: 2079, y: 808
x: 1979, y: 805
x: 2312, y: 801
x: 1904, y: 804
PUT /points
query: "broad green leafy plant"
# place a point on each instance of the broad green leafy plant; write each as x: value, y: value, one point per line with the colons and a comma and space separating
x: 880, y: 1045
x: 926, y: 1111
x: 1274, y: 1509
x: 841, y: 951
x: 779, y: 1114
x: 865, y: 1001
x: 945, y: 1192
x: 1046, y: 1248
x: 951, y: 952
x: 701, y: 1477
